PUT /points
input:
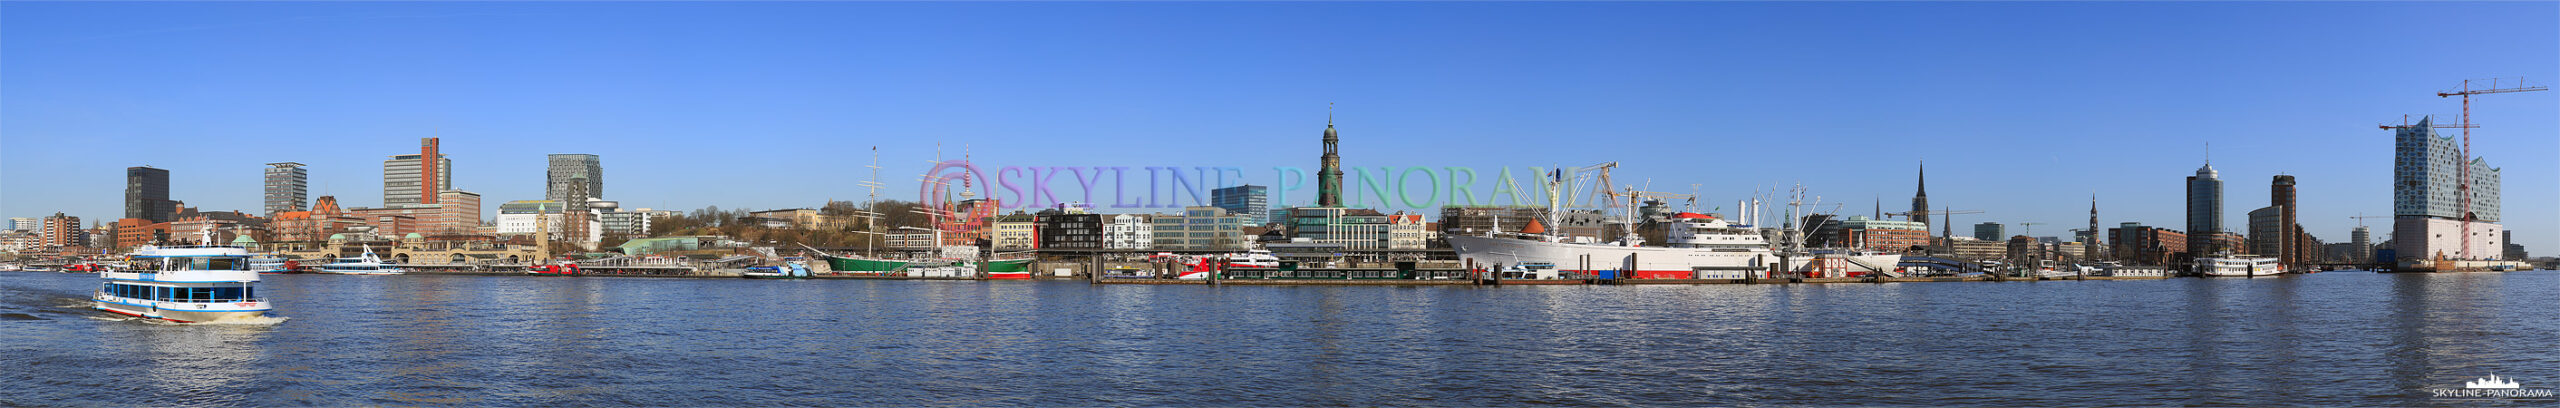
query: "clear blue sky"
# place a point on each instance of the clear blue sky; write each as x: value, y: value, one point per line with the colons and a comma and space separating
x: 2022, y: 109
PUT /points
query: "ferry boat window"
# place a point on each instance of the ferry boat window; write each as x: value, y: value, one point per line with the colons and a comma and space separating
x: 215, y: 263
x: 231, y: 294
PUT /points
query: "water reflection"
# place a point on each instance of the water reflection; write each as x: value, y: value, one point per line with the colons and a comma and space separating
x: 197, y: 363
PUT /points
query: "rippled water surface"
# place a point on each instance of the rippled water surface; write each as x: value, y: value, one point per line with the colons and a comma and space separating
x: 2341, y: 338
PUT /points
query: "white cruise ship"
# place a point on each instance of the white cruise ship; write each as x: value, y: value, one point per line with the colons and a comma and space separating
x: 185, y: 285
x: 1701, y: 247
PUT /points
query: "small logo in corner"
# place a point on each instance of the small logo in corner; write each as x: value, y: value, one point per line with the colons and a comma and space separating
x: 2492, y: 383
x: 2492, y: 387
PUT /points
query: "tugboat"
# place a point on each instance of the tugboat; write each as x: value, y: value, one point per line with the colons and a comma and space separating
x: 186, y: 284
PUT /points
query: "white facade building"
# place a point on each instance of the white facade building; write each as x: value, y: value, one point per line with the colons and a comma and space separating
x: 1128, y: 231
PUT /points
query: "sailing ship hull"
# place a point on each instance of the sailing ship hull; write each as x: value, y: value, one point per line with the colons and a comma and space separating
x: 863, y: 266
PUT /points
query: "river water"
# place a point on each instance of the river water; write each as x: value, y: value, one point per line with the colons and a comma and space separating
x: 2339, y: 338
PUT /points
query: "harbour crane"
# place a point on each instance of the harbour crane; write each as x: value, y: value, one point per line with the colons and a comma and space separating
x: 2359, y: 217
x: 2464, y: 189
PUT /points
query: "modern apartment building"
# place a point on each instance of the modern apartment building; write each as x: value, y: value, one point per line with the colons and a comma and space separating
x: 288, y: 187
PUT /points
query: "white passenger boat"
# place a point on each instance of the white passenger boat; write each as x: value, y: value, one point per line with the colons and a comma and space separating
x: 2129, y: 271
x: 366, y: 264
x: 2237, y: 266
x: 268, y: 264
x: 184, y: 284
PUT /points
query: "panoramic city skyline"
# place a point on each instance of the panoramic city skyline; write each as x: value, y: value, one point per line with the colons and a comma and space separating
x: 2022, y: 111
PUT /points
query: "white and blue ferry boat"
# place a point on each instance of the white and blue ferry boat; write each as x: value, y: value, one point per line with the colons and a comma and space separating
x: 185, y: 284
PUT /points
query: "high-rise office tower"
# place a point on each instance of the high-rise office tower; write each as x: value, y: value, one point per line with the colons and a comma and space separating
x: 416, y: 178
x: 571, y: 179
x: 1249, y: 201
x: 2363, y: 239
x: 2289, y: 253
x: 288, y: 186
x: 2204, y: 212
x: 146, y: 194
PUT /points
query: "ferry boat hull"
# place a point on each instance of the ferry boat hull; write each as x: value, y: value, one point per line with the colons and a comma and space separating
x: 183, y: 316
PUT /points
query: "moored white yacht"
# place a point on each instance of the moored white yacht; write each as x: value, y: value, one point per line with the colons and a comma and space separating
x: 366, y: 264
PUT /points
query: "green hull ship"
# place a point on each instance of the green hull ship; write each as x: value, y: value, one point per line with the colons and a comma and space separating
x: 865, y: 266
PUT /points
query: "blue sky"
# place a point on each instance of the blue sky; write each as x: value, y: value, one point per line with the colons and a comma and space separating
x: 2022, y: 109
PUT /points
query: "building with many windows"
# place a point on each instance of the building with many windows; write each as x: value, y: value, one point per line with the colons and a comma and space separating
x: 574, y: 178
x: 1128, y: 231
x: 62, y: 231
x: 2142, y: 245
x: 1063, y: 229
x: 527, y: 216
x: 1350, y: 228
x: 1200, y: 228
x: 1860, y: 232
x: 1016, y: 231
x: 288, y: 186
x: 1249, y: 201
x: 1990, y: 231
x: 415, y: 178
x: 1407, y: 231
x: 2204, y: 211
x: 2265, y: 230
x: 2427, y: 199
x: 146, y: 194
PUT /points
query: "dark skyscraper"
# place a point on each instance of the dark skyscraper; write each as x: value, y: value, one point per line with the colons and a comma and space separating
x: 2288, y: 249
x: 146, y: 194
x: 1329, y: 180
x: 2204, y: 211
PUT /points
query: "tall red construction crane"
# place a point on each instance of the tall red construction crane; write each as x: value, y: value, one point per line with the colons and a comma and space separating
x: 2465, y: 187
